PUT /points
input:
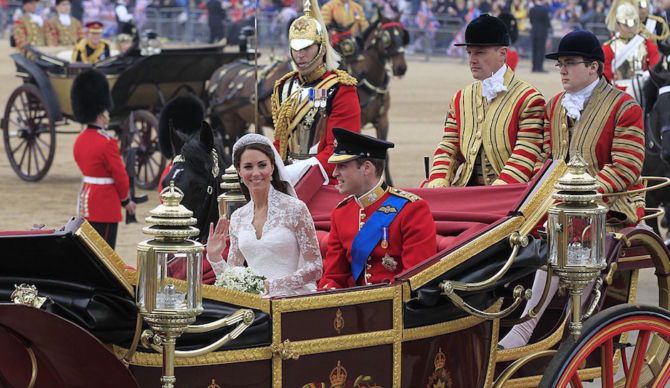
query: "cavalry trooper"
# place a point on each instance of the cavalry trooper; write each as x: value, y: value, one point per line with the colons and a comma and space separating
x: 105, y: 186
x: 602, y: 124
x: 63, y: 29
x: 308, y: 103
x: 29, y: 28
x: 346, y: 20
x: 378, y: 231
x: 629, y: 55
x: 493, y: 131
x: 93, y: 48
x: 651, y: 26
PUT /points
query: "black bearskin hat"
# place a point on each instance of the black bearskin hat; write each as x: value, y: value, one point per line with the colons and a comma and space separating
x: 486, y: 30
x: 183, y: 113
x: 90, y: 96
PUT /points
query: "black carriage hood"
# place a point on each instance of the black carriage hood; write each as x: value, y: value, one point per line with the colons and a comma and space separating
x: 89, y: 285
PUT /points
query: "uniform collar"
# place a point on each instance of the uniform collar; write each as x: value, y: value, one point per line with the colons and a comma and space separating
x: 494, y: 84
x: 574, y: 102
x: 373, y: 195
x: 313, y: 76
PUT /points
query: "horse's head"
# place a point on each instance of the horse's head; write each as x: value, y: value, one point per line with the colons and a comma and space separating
x: 197, y: 171
x: 389, y: 37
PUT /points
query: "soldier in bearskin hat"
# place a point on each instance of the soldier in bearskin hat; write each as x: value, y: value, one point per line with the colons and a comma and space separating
x: 29, y: 28
x: 378, y: 231
x: 309, y: 102
x: 493, y: 130
x: 180, y: 119
x: 93, y: 48
x: 63, y: 29
x: 105, y: 186
x: 602, y: 124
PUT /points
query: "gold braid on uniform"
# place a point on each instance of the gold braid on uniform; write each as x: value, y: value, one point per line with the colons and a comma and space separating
x: 665, y: 31
x: 345, y: 78
x: 282, y: 114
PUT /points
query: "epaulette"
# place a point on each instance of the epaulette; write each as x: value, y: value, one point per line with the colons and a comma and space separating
x: 106, y: 134
x: 404, y: 194
x: 344, y: 201
x: 345, y: 78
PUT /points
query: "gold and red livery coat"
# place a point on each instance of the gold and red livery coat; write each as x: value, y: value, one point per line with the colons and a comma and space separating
x: 610, y: 137
x: 97, y: 155
x: 509, y: 129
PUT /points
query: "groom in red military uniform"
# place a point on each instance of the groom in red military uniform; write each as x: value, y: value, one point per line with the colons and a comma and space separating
x: 378, y: 231
x: 105, y: 187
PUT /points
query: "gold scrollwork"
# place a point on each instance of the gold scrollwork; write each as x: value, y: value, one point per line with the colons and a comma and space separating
x: 285, y: 351
x: 26, y: 294
x: 338, y: 322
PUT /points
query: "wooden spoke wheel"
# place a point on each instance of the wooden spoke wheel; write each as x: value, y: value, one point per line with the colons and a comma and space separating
x: 629, y: 339
x: 144, y: 137
x: 29, y: 133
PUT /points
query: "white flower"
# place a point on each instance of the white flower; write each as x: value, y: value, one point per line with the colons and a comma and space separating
x: 241, y: 279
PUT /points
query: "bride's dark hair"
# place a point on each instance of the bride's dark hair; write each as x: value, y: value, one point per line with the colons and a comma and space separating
x: 277, y: 183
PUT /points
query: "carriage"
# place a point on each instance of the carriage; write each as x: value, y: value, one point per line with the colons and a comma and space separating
x: 140, y: 85
x: 408, y: 333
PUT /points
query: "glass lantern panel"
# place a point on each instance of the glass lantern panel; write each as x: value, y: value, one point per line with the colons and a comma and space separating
x: 171, y: 294
x: 599, y: 234
x: 553, y: 233
x: 582, y: 239
x: 140, y: 297
x: 231, y: 206
x: 195, y: 281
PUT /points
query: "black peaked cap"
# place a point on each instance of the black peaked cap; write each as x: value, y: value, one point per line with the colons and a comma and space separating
x: 350, y: 145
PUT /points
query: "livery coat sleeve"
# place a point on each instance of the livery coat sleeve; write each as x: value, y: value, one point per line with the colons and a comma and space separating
x: 627, y: 150
x: 527, y: 150
x: 117, y: 169
x: 346, y: 113
x: 447, y: 156
x: 609, y: 58
x: 336, y: 266
x: 418, y: 234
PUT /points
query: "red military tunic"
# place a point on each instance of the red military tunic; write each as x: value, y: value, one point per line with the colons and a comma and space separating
x: 649, y: 53
x: 292, y: 115
x: 501, y: 139
x: 610, y: 137
x: 411, y: 238
x: 97, y: 155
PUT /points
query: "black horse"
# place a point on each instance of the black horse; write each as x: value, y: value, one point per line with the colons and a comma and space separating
x: 196, y: 171
x: 657, y: 151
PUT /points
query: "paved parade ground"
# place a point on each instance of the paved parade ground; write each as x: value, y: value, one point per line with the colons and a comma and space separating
x: 419, y: 103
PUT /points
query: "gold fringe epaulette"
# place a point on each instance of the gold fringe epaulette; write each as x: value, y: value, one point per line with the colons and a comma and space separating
x: 404, y: 194
x: 345, y: 78
x: 276, y: 92
x: 344, y: 201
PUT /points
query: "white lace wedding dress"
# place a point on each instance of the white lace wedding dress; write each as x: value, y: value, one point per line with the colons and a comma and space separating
x: 287, y: 253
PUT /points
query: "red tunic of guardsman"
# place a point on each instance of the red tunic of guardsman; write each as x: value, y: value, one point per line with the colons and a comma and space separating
x: 308, y: 103
x: 29, y: 28
x: 629, y: 54
x: 377, y: 234
x: 493, y: 131
x: 105, y: 185
x: 63, y: 29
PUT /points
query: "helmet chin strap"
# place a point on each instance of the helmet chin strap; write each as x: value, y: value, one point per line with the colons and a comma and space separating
x: 312, y: 65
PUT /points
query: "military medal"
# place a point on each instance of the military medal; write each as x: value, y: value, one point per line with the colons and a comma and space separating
x: 385, y: 237
x: 389, y: 262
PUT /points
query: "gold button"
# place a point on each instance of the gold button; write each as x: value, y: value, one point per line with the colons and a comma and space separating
x: 564, y: 127
x: 480, y: 118
x: 479, y: 102
x: 564, y: 142
x: 478, y: 135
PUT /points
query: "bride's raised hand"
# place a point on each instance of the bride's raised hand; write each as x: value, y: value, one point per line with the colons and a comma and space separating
x: 216, y: 241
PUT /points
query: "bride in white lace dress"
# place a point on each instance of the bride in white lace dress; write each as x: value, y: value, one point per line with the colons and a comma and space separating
x: 274, y: 232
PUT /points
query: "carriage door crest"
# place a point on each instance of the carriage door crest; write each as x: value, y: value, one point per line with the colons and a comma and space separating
x: 440, y: 377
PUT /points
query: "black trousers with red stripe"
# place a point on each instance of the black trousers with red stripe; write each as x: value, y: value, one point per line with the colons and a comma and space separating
x: 107, y: 230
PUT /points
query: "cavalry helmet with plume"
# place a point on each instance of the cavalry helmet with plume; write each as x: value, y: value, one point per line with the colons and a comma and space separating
x: 310, y: 29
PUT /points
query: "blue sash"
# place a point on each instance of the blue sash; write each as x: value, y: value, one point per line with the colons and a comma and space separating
x: 372, y: 232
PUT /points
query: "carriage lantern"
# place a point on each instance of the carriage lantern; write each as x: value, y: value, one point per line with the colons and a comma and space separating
x: 169, y: 305
x: 576, y: 228
x: 232, y: 197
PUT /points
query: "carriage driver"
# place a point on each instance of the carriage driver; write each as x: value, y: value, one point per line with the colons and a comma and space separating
x: 63, y: 29
x: 93, y: 48
x: 105, y: 187
x: 378, y: 231
x: 493, y: 131
x: 604, y: 125
x: 346, y: 20
x: 29, y: 28
x: 308, y: 103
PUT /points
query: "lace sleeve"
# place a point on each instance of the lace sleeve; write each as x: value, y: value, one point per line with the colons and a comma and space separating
x: 311, y: 266
x: 235, y: 257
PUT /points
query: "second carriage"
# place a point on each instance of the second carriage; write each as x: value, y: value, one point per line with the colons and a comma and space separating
x: 140, y: 86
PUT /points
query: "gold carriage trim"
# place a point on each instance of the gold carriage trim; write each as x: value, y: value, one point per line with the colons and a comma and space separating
x: 214, y: 358
x: 238, y: 298
x: 107, y: 256
x: 540, y: 199
x: 438, y: 329
x: 336, y: 299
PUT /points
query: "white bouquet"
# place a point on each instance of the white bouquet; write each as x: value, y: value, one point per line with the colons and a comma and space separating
x: 241, y: 279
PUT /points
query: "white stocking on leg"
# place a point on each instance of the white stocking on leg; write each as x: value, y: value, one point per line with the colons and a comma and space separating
x: 520, y: 334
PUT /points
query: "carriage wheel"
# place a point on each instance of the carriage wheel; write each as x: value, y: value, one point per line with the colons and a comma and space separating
x: 29, y: 133
x: 150, y: 161
x: 646, y: 326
